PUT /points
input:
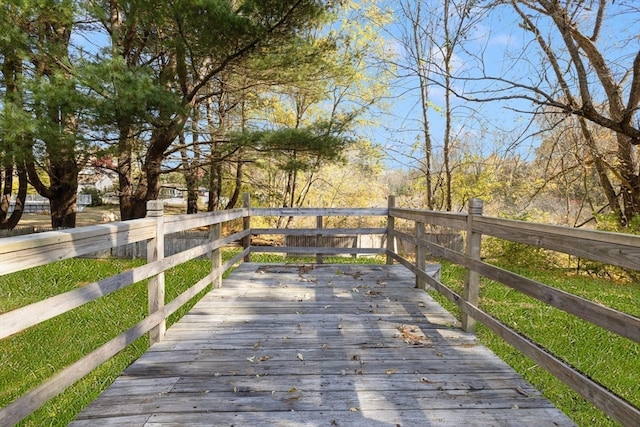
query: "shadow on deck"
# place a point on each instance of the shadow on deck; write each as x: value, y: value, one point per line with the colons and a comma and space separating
x: 319, y: 345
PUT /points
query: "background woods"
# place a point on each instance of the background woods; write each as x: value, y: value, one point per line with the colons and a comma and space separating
x: 530, y: 105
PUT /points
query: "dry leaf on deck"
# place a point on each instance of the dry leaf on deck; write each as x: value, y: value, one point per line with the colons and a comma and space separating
x: 412, y: 334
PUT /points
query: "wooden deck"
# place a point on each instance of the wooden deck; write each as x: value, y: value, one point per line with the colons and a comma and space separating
x: 320, y: 345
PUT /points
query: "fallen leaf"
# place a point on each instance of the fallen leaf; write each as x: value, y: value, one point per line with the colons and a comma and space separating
x: 256, y: 345
x: 264, y: 358
x: 292, y: 390
x: 412, y: 334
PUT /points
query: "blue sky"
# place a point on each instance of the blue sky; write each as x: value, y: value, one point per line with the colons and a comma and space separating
x: 485, y: 127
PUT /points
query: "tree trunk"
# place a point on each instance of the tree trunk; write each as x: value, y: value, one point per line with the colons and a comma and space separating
x: 238, y: 186
x: 601, y: 169
x: 63, y: 210
x: 630, y: 181
x: 13, y: 219
x: 11, y: 70
x: 423, y: 78
x: 215, y: 185
x: 192, y: 196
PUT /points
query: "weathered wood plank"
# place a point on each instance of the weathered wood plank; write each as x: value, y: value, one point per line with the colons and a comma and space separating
x: 457, y: 221
x: 542, y: 417
x: 304, y: 345
x: 22, y: 252
x: 312, y: 251
x: 612, y: 248
x: 322, y: 231
x: 175, y: 223
x: 133, y: 385
x: 310, y: 401
x: 369, y: 418
x: 318, y: 212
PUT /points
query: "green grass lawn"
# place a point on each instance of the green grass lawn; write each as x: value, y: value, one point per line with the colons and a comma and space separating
x: 29, y: 358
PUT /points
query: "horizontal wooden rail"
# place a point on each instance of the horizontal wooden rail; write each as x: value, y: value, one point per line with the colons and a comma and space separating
x: 315, y: 250
x: 444, y: 219
x: 22, y: 252
x: 177, y: 223
x: 316, y: 231
x: 318, y: 212
x: 611, y: 248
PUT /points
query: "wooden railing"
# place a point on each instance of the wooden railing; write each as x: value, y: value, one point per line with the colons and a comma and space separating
x: 611, y: 248
x: 19, y: 253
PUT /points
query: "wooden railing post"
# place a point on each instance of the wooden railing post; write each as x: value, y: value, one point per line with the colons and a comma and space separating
x: 246, y: 225
x: 319, y: 257
x: 155, y: 252
x: 420, y: 254
x: 391, y: 240
x: 472, y: 250
x: 215, y: 232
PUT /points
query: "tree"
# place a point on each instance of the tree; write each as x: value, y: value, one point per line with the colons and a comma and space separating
x: 189, y: 45
x: 583, y: 74
x: 293, y: 152
x: 14, y: 124
x: 323, y: 79
x: 432, y: 38
x: 42, y: 103
x: 571, y: 168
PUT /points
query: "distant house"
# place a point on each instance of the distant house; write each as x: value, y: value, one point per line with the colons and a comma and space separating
x: 173, y: 194
x: 96, y: 178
